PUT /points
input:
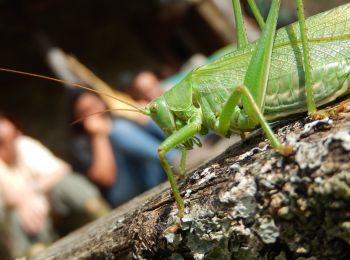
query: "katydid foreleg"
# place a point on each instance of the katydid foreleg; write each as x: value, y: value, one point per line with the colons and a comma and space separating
x: 183, y: 162
x: 178, y: 137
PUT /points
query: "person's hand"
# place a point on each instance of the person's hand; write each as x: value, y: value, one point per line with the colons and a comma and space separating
x: 32, y: 213
x: 97, y: 125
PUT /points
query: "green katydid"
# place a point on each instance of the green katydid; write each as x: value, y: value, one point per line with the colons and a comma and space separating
x: 285, y: 72
x: 258, y: 82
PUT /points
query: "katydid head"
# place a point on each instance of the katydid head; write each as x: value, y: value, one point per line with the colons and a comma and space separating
x: 159, y: 111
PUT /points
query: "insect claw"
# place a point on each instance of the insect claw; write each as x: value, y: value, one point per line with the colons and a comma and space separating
x: 243, y: 136
x: 181, y: 212
x: 332, y: 111
x: 179, y: 177
x: 285, y: 149
x: 172, y: 229
x: 343, y: 107
x: 320, y: 114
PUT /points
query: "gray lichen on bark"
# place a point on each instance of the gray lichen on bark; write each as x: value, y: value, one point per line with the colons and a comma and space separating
x: 261, y: 205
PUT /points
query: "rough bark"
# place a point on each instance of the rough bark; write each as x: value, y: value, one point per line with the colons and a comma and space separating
x: 248, y: 203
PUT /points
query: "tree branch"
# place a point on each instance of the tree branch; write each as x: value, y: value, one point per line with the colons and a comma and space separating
x: 247, y: 203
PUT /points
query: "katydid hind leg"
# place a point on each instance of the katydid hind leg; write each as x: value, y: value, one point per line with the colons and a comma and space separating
x: 259, y: 66
x: 254, y: 90
x: 228, y: 109
x: 172, y: 141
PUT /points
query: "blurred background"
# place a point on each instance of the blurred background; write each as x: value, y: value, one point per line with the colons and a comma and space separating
x: 111, y: 38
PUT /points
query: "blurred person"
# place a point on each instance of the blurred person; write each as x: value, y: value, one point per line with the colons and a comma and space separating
x: 35, y: 185
x: 118, y: 155
x: 145, y: 87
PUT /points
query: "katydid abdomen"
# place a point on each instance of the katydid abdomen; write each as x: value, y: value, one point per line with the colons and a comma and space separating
x: 329, y: 41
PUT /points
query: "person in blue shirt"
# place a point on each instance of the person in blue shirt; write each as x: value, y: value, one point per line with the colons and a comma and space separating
x: 118, y: 155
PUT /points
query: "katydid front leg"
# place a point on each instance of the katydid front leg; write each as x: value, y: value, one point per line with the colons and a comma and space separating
x: 175, y: 139
x: 182, y: 167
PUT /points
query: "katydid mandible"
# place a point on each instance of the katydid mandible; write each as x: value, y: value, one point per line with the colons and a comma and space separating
x: 293, y: 70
